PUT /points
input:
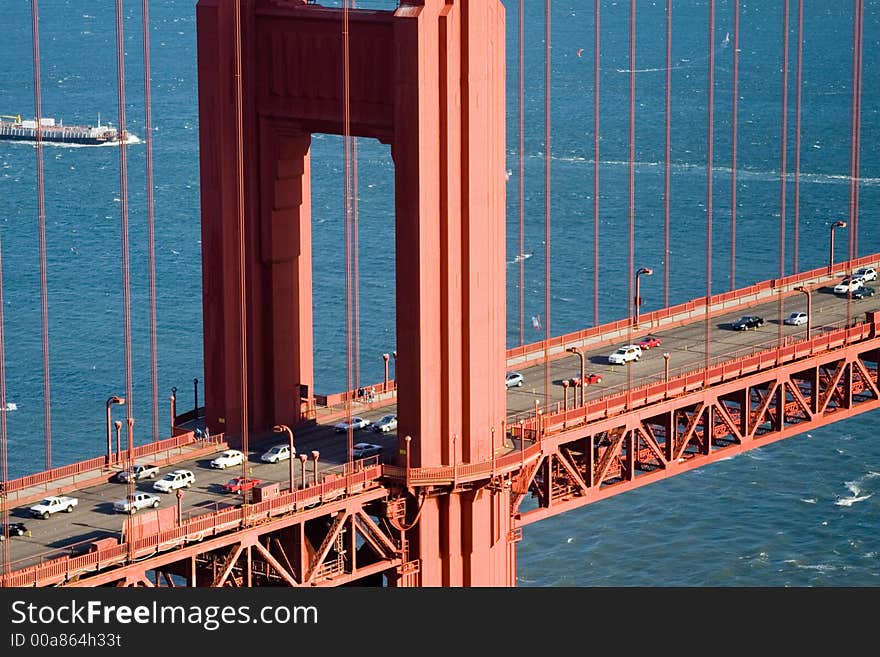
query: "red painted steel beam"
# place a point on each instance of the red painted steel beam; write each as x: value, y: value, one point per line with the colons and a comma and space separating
x: 708, y: 429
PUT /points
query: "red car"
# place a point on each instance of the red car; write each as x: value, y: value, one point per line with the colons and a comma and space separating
x: 590, y: 378
x: 240, y: 484
x: 650, y: 341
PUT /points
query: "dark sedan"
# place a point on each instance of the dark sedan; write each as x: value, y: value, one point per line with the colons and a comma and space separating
x: 15, y: 529
x: 748, y: 322
x: 862, y: 293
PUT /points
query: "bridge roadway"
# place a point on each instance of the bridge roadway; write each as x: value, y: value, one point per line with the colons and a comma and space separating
x: 94, y: 517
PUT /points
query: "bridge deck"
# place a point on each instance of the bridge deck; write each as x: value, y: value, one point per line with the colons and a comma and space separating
x: 684, y: 341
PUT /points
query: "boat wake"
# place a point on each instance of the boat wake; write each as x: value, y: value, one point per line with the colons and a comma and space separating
x: 855, y: 487
x: 519, y: 258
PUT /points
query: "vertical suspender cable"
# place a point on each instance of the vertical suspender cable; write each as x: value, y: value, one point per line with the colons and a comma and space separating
x: 242, y: 289
x: 858, y: 125
x: 733, y: 143
x: 44, y: 295
x: 666, y: 168
x: 855, y: 127
x: 522, y: 166
x: 355, y: 249
x: 596, y: 170
x: 783, y: 153
x: 4, y: 449
x: 855, y: 139
x: 355, y: 257
x: 349, y: 240
x: 148, y: 128
x: 546, y: 200
x: 633, y: 302
x: 797, y: 140
x: 123, y: 185
x: 710, y: 144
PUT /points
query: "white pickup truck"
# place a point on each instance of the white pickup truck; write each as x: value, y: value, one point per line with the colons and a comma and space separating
x: 49, y: 505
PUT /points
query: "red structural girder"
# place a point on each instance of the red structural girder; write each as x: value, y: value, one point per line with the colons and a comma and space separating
x: 651, y: 441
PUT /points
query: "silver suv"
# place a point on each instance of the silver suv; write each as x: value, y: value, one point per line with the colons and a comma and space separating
x: 631, y: 352
x: 174, y: 480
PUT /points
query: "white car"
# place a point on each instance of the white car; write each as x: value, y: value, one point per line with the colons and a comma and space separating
x: 277, y: 453
x: 513, y: 379
x: 385, y: 424
x: 228, y: 459
x: 629, y: 353
x: 356, y: 423
x: 174, y: 480
x: 136, y: 501
x: 796, y: 319
x: 849, y: 284
x: 868, y: 273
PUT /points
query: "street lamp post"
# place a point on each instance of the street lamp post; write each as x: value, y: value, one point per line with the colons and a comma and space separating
x: 112, y: 400
x: 565, y: 395
x: 836, y: 224
x: 385, y: 357
x: 173, y: 400
x: 315, y: 455
x: 801, y: 288
x: 394, y: 356
x: 302, y: 469
x: 118, y: 426
x: 580, y: 355
x: 278, y: 428
x: 638, y: 300
x: 666, y: 366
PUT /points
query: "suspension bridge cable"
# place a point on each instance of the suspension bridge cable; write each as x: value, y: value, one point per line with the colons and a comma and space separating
x: 123, y: 186
x: 596, y: 50
x: 522, y: 182
x: 855, y: 142
x: 242, y: 290
x: 44, y: 294
x: 666, y: 167
x: 349, y: 238
x: 633, y: 303
x: 783, y: 161
x: 797, y: 139
x: 733, y: 143
x: 547, y: 149
x: 710, y: 143
x: 855, y: 127
x: 4, y: 447
x: 151, y: 240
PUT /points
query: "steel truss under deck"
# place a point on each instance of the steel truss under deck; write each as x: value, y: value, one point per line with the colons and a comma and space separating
x: 649, y: 443
x: 333, y: 545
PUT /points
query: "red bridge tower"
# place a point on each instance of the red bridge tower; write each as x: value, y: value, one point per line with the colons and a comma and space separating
x: 428, y: 79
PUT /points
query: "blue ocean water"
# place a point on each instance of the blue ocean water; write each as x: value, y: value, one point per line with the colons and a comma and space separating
x: 800, y: 512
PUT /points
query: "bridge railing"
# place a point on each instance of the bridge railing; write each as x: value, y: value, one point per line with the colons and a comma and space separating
x: 531, y: 426
x: 87, y: 468
x: 350, y: 480
x: 530, y: 354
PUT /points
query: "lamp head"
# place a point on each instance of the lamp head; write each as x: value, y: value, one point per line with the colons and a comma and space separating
x: 839, y: 224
